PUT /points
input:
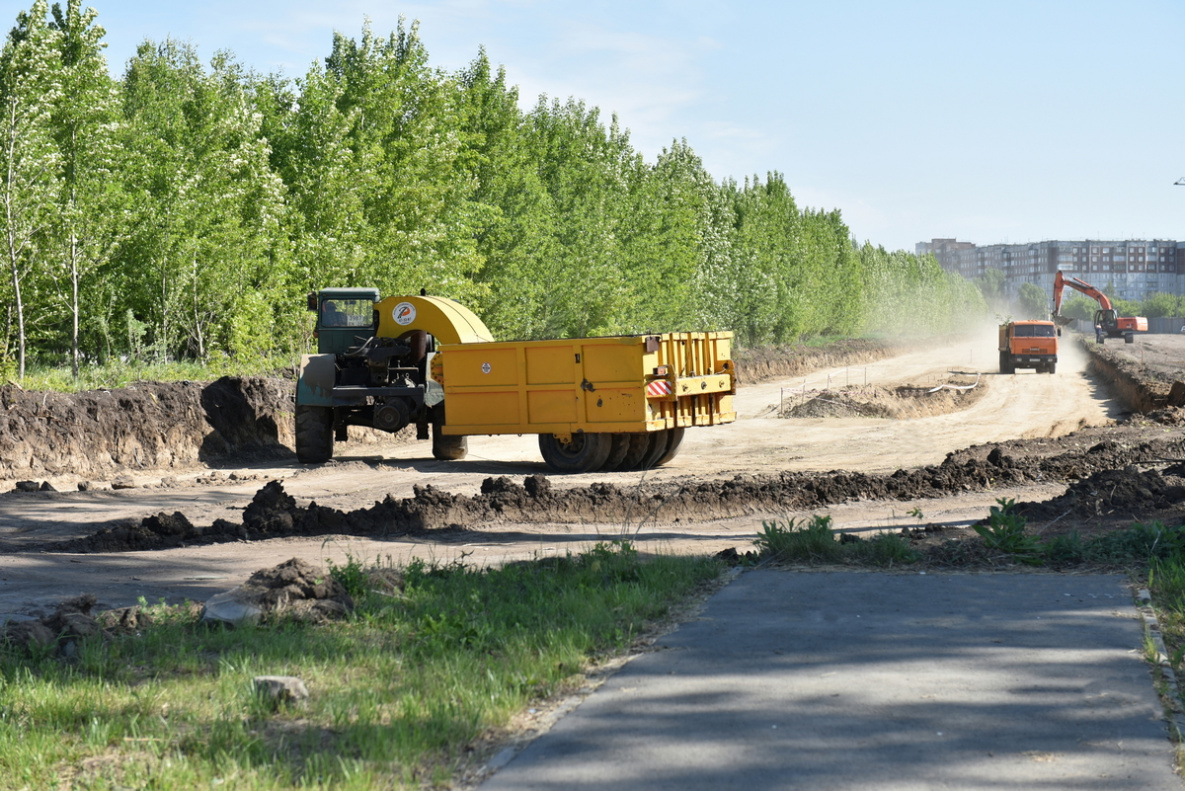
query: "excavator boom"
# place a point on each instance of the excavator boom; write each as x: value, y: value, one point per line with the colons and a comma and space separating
x: 1060, y: 281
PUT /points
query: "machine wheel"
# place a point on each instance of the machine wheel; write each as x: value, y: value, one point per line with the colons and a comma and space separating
x: 659, y: 440
x: 314, y: 434
x: 1050, y: 368
x: 1006, y: 364
x: 674, y: 440
x: 585, y: 453
x: 617, y: 452
x: 1129, y: 338
x: 639, y: 445
x: 447, y: 447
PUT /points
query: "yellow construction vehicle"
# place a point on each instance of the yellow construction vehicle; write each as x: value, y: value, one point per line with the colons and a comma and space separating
x: 612, y: 403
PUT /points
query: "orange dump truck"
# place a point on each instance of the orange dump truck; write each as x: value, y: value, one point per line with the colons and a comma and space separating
x: 613, y: 403
x: 1028, y: 344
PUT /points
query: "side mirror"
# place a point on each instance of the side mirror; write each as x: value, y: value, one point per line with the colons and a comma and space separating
x: 312, y: 301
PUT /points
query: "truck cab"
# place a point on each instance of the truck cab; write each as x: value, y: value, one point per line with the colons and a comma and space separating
x: 345, y: 317
x: 1028, y: 344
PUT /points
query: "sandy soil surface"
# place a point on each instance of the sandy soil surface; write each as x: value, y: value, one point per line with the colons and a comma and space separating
x: 690, y: 505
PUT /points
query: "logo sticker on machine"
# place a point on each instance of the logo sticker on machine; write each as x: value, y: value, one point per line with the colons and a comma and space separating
x: 404, y: 313
x: 486, y: 368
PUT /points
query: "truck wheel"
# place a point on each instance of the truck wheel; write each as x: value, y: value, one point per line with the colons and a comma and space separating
x: 674, y: 440
x: 1007, y: 365
x: 1051, y: 368
x: 617, y: 452
x: 314, y: 434
x: 448, y: 447
x: 585, y: 453
x: 659, y: 440
x: 638, y: 448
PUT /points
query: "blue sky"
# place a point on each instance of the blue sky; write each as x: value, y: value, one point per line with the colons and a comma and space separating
x: 996, y: 121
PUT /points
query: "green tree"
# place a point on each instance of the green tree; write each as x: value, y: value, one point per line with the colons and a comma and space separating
x: 419, y: 224
x: 208, y: 207
x: 1161, y: 304
x: 516, y: 235
x: 1079, y: 307
x: 30, y: 85
x: 90, y: 208
x: 1032, y: 301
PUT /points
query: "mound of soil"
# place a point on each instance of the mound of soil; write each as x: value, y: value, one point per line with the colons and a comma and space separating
x: 1114, y: 496
x: 148, y: 425
x: 295, y: 590
x: 894, y: 403
x: 292, y: 590
x: 273, y: 513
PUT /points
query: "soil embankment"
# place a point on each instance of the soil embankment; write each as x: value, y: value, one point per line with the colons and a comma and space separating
x: 214, y: 486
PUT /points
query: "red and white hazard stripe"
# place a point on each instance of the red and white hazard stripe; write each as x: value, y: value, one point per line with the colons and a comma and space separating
x: 659, y: 387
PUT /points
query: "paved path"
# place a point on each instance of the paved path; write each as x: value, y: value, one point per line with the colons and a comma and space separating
x: 845, y: 681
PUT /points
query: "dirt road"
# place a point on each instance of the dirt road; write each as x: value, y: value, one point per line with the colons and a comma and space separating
x: 1020, y: 406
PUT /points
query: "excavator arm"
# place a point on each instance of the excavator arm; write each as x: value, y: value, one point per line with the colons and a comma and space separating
x: 1060, y: 281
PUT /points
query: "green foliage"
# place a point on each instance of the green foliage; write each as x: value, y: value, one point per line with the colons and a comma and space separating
x: 791, y: 541
x: 883, y: 549
x: 816, y: 542
x: 1079, y: 307
x: 1005, y: 532
x: 193, y: 205
x: 402, y: 689
x: 1162, y: 304
x: 1032, y: 301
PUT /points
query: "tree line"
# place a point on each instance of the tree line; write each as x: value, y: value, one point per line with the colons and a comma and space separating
x: 182, y: 210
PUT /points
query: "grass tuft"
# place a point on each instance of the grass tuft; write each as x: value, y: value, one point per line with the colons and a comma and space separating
x: 402, y: 694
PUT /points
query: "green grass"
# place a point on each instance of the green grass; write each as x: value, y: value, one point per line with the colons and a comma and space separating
x: 115, y: 374
x: 816, y: 542
x: 398, y: 692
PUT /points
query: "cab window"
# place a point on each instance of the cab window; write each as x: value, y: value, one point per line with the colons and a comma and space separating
x: 347, y: 313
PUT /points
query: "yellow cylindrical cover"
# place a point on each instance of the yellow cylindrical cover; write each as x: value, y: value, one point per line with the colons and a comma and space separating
x: 446, y: 320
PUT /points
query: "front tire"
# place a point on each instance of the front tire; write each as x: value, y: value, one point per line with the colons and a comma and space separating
x: 314, y: 434
x: 448, y: 447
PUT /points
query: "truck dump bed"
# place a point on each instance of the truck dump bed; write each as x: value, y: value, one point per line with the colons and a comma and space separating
x: 614, y: 385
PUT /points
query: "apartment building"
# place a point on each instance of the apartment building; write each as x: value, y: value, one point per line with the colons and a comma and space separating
x: 1131, y: 269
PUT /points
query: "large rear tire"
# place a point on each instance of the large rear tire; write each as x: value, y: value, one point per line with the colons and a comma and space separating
x: 1051, y: 368
x: 585, y: 453
x: 447, y: 447
x: 659, y: 441
x: 638, y: 448
x: 617, y: 452
x: 675, y: 439
x: 314, y: 434
x: 1007, y: 364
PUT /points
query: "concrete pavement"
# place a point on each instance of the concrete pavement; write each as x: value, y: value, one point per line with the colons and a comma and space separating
x: 850, y: 680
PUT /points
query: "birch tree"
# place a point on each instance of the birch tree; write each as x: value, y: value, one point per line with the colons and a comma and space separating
x: 30, y: 83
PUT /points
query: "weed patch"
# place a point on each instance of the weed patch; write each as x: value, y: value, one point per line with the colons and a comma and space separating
x: 417, y: 674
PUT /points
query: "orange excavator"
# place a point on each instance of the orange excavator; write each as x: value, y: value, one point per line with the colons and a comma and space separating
x: 1107, y: 321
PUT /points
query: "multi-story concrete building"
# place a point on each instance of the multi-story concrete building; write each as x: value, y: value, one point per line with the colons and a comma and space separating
x: 1131, y: 269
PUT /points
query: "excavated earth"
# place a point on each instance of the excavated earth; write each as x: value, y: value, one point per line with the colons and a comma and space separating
x: 70, y: 458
